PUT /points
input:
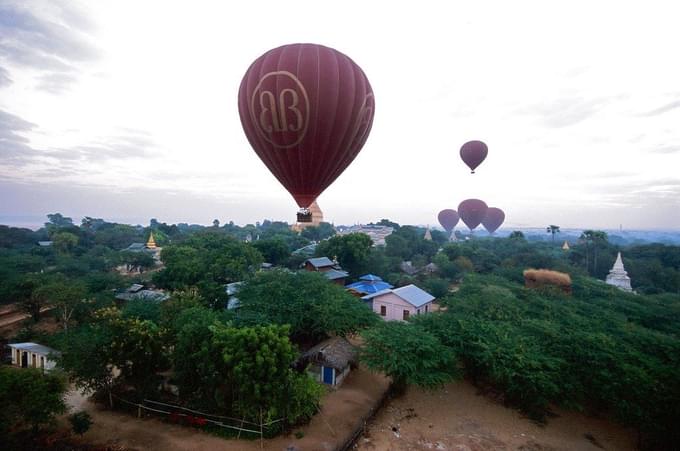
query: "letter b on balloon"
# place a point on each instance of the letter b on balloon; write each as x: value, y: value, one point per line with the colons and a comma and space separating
x: 280, y: 120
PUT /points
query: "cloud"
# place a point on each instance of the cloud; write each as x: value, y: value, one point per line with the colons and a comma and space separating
x: 56, y: 83
x: 12, y: 142
x: 664, y: 109
x: 567, y: 111
x: 667, y: 149
x: 50, y: 39
x: 5, y: 80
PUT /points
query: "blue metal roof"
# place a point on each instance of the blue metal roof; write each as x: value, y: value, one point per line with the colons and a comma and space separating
x: 371, y: 278
x: 368, y: 287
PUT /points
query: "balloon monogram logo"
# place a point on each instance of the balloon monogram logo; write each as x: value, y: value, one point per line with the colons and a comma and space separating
x: 280, y: 119
x: 307, y: 111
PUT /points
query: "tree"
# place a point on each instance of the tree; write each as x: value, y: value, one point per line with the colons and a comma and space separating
x: 321, y: 232
x: 274, y: 250
x: 80, y: 422
x: 207, y: 261
x: 64, y: 242
x: 553, y: 229
x: 352, y: 251
x: 259, y: 363
x: 58, y: 220
x: 593, y: 239
x: 310, y: 304
x: 516, y: 235
x: 29, y: 398
x: 67, y: 296
x: 200, y: 376
x: 216, y: 223
x: 86, y: 357
x: 137, y: 348
x: 408, y: 354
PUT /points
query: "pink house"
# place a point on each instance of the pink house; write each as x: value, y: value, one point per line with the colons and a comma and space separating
x: 399, y: 304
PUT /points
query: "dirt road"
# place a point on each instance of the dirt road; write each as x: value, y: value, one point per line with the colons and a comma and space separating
x: 457, y: 418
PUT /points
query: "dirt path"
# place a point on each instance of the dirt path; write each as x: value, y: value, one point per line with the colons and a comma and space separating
x: 341, y: 413
x: 457, y: 418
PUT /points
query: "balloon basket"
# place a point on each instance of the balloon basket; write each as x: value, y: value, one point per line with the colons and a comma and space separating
x: 304, y: 215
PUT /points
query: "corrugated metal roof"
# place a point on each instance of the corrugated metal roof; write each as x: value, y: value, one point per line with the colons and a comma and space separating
x: 379, y: 293
x: 415, y: 296
x: 33, y: 347
x: 320, y: 262
x: 368, y: 287
x: 333, y: 274
x: 371, y: 278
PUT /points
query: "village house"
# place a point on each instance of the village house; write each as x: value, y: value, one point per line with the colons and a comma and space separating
x: 368, y: 284
x: 330, y: 361
x: 32, y: 355
x: 330, y: 269
x: 399, y: 304
x: 137, y: 291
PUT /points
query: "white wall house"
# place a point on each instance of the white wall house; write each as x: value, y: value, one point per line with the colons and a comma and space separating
x: 32, y: 355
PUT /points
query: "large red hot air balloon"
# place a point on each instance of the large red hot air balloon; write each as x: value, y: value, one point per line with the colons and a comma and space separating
x: 493, y: 219
x: 472, y: 212
x: 307, y: 111
x: 448, y: 219
x: 473, y: 153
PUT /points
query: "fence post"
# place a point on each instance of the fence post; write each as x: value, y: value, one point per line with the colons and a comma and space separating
x: 110, y: 400
x: 139, y: 411
x: 261, y: 434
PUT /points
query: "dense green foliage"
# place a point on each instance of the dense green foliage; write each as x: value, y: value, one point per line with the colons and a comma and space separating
x: 258, y: 363
x: 409, y: 354
x: 80, y: 422
x: 310, y: 304
x: 207, y: 261
x: 601, y: 349
x: 29, y: 399
x: 352, y: 252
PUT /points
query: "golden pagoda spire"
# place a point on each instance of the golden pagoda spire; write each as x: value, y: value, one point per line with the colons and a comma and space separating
x: 151, y: 244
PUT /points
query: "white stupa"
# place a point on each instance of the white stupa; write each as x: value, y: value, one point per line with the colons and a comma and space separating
x: 618, y: 276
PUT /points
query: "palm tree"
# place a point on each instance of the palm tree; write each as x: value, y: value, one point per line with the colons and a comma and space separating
x: 593, y: 238
x: 553, y: 229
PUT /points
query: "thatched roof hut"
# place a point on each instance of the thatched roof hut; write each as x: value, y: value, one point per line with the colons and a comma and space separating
x: 336, y: 352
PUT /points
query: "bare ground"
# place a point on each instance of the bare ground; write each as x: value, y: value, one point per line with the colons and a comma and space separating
x: 341, y: 414
x: 457, y: 418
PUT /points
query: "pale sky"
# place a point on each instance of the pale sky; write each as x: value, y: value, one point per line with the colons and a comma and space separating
x: 127, y: 110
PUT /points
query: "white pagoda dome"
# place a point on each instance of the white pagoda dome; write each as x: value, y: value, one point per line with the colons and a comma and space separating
x: 618, y: 276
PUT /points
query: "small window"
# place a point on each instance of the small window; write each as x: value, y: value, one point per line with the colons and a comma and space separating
x: 426, y: 308
x: 418, y: 312
x: 406, y: 313
x: 383, y: 310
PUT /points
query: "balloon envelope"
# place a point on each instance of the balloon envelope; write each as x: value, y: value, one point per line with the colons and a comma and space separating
x: 473, y: 153
x: 448, y: 219
x: 307, y: 111
x: 472, y: 212
x: 493, y: 219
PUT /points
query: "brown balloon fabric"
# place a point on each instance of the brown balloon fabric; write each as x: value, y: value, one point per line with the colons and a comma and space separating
x: 493, y: 219
x: 448, y: 219
x: 307, y: 110
x: 472, y: 212
x: 473, y: 153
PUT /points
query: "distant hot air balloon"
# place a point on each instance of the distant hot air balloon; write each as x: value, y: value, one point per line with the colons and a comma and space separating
x: 448, y: 219
x: 307, y: 111
x: 473, y: 153
x: 493, y: 219
x: 472, y: 212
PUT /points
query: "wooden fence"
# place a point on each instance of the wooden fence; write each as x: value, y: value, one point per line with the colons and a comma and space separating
x: 179, y: 414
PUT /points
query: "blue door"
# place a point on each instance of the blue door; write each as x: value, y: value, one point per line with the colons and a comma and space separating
x: 328, y: 375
